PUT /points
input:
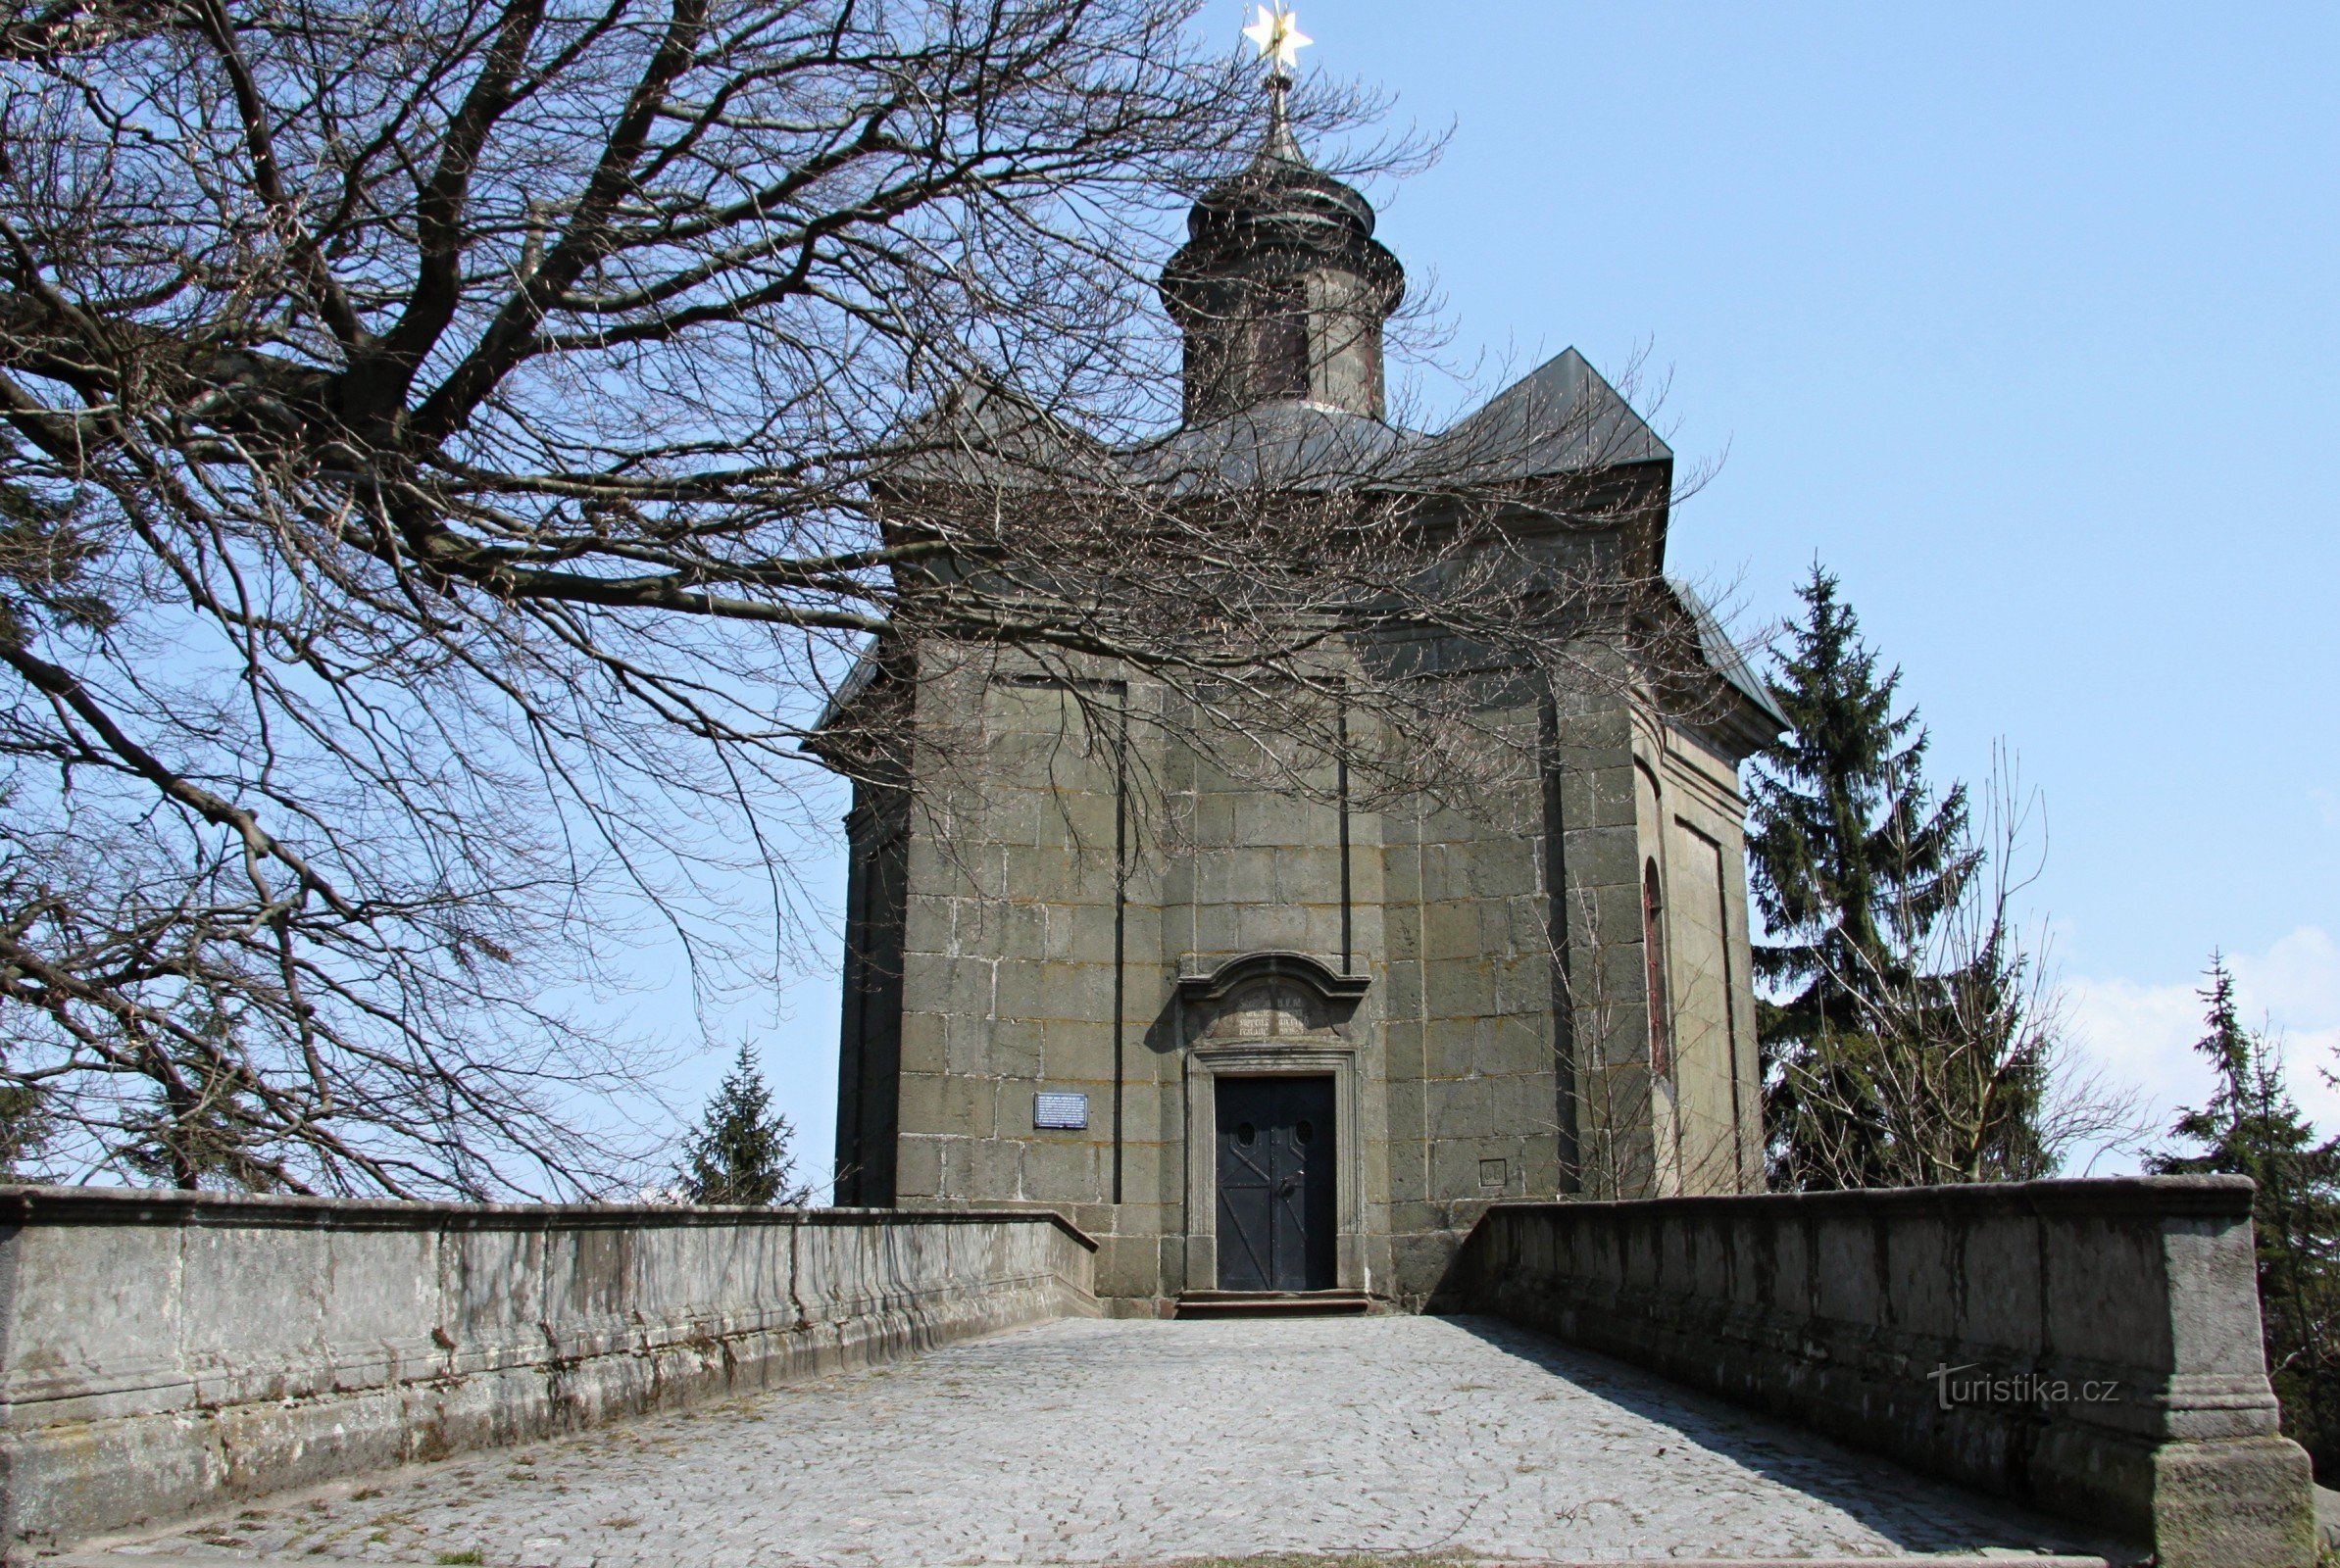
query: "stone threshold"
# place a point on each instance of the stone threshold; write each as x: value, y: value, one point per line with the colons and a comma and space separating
x: 1273, y: 1303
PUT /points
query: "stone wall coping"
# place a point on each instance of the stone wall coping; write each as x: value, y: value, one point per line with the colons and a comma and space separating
x: 2114, y: 1324
x: 2096, y: 1197
x: 166, y: 1352
x: 136, y: 1205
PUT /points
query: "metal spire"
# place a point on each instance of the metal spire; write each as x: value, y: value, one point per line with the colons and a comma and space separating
x: 1280, y: 41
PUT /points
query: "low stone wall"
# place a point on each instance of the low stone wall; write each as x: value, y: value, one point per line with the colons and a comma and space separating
x: 2090, y: 1347
x: 161, y: 1352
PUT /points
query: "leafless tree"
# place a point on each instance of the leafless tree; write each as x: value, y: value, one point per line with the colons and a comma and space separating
x: 455, y: 450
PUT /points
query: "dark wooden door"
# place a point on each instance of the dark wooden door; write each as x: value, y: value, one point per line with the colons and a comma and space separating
x: 1276, y: 1194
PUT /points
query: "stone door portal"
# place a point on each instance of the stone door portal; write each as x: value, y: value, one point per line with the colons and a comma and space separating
x: 1275, y: 1184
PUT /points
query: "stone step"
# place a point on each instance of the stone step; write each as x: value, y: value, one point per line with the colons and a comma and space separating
x: 1274, y: 1304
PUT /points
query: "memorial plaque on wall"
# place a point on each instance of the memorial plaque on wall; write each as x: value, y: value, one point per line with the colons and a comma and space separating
x: 1068, y: 1111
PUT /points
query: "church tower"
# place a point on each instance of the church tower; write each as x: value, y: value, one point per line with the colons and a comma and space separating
x: 1297, y: 1046
x: 1281, y: 289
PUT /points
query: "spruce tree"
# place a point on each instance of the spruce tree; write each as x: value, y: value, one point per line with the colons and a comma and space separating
x: 740, y: 1152
x: 2250, y: 1126
x: 1852, y: 859
x: 24, y: 1124
x: 25, y: 1131
x: 44, y: 553
x: 201, y: 1133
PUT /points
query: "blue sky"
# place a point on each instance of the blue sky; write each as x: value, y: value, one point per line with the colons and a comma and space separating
x: 2022, y: 319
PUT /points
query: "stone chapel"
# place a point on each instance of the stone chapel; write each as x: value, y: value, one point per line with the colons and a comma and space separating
x: 1291, y: 1057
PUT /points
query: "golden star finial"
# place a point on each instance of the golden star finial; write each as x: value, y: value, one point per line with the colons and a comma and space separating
x: 1278, y: 33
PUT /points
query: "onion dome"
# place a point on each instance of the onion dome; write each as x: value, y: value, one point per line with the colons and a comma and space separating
x: 1282, y: 288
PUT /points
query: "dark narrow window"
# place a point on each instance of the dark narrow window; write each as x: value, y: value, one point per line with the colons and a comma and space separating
x: 1280, y: 342
x: 1653, y: 952
x: 1209, y: 388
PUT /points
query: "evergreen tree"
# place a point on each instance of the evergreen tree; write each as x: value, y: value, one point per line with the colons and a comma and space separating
x: 24, y: 1124
x: 42, y: 556
x: 2250, y: 1126
x: 740, y: 1153
x: 201, y: 1131
x: 45, y: 554
x: 1853, y: 860
x: 25, y: 1130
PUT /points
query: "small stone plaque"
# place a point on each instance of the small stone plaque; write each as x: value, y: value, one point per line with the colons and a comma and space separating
x: 1070, y: 1111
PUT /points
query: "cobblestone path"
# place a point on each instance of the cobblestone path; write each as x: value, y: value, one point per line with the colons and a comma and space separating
x: 1140, y: 1441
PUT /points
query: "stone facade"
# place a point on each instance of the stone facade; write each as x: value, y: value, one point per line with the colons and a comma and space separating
x: 1070, y: 893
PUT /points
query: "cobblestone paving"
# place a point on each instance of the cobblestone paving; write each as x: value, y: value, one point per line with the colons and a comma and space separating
x: 1087, y: 1441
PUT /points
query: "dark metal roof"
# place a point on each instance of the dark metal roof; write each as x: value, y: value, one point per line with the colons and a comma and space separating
x: 1561, y: 417
x: 1292, y: 445
x: 859, y: 679
x: 1722, y: 655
